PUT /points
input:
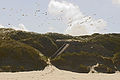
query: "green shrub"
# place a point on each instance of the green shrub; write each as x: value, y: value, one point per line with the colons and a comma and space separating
x: 77, y: 62
x: 116, y: 60
x: 104, y: 69
x: 83, y: 69
x: 16, y: 54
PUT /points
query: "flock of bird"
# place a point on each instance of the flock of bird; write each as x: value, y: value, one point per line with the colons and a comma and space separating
x: 38, y: 12
x: 21, y: 12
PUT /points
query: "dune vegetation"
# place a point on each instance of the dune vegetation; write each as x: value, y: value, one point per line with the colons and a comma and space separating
x: 27, y: 51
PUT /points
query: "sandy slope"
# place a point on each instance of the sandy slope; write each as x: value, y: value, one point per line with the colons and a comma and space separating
x: 52, y: 73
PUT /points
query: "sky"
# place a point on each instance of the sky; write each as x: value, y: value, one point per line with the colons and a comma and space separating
x: 74, y: 17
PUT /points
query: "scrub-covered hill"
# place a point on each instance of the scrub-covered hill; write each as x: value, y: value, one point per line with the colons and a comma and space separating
x: 17, y: 56
x: 20, y: 51
x: 86, y: 51
x: 38, y: 41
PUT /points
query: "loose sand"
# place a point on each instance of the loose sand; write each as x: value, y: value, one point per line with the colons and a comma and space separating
x: 52, y: 73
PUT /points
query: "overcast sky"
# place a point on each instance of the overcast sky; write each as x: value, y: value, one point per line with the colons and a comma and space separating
x: 34, y: 16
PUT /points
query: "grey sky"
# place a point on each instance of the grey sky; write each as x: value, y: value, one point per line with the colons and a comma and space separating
x: 15, y: 12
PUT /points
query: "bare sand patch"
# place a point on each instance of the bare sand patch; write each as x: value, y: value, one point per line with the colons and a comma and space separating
x: 52, y: 73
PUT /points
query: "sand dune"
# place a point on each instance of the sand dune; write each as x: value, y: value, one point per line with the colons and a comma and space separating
x: 52, y: 73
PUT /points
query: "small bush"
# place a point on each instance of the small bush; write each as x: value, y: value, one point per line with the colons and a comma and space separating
x: 104, y: 69
x: 116, y: 60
